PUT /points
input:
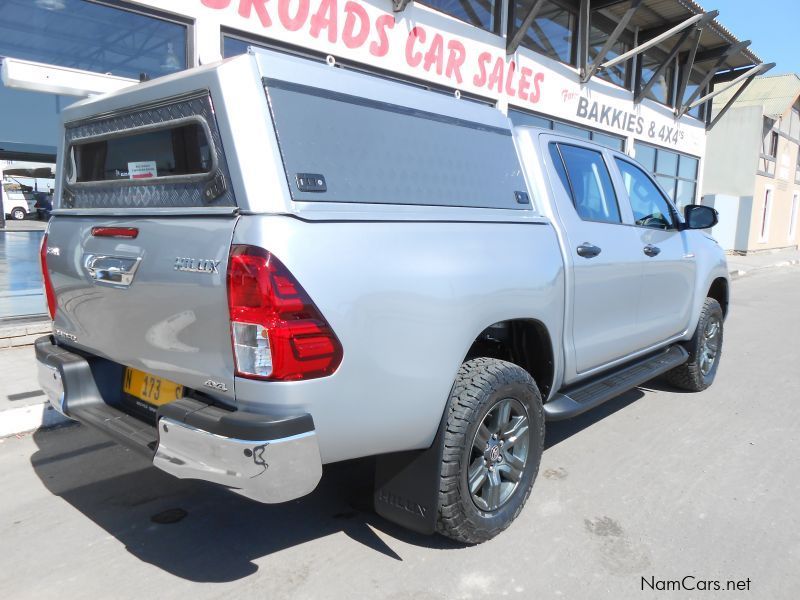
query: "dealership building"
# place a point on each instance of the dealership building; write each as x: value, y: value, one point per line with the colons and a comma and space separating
x: 636, y: 75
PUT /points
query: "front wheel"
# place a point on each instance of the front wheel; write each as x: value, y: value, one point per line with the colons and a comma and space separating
x: 18, y: 214
x: 493, y: 444
x: 705, y: 349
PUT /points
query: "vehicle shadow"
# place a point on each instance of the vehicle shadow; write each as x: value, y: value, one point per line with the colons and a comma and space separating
x: 558, y: 431
x: 217, y: 535
x: 222, y: 533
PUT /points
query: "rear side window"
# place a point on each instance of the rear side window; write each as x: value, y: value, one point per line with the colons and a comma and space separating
x: 589, y: 182
x: 342, y: 148
x: 650, y: 208
x: 179, y: 150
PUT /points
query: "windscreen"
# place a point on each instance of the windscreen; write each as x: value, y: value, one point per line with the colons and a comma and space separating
x: 342, y: 148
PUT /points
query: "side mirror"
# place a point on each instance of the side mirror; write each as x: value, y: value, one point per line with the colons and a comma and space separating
x: 696, y: 216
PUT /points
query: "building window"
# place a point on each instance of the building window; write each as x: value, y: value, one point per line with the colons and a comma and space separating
x: 604, y: 139
x: 675, y: 172
x: 601, y: 27
x: 661, y: 90
x: 797, y: 168
x: 552, y: 32
x: 769, y: 150
x: 773, y: 144
x: 793, y: 216
x: 480, y: 13
x: 695, y: 78
x: 93, y: 37
x: 766, y: 215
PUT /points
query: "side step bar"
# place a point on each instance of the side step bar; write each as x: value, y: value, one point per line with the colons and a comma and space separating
x: 585, y: 396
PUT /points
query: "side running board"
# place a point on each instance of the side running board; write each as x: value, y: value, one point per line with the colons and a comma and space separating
x: 585, y: 396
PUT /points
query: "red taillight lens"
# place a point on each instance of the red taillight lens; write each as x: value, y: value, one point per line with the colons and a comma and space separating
x: 278, y: 332
x: 48, y: 285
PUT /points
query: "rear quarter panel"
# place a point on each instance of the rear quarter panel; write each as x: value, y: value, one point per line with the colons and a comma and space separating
x: 406, y: 299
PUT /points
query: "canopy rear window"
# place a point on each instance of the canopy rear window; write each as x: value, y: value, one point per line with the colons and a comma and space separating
x: 164, y: 155
x: 342, y: 148
x: 182, y: 149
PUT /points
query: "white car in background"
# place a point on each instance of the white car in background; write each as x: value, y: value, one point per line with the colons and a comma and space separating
x: 15, y: 203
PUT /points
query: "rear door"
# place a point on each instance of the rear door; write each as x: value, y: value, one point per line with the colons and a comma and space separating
x: 138, y: 248
x: 602, y: 252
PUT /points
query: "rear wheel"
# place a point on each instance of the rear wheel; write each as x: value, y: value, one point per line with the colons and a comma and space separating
x: 18, y: 214
x: 704, y: 348
x: 492, y: 448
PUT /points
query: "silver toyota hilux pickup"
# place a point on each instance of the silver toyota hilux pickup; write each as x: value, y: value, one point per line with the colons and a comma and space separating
x: 269, y: 264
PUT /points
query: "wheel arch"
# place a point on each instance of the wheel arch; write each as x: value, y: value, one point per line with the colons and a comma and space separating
x: 719, y: 291
x: 525, y: 342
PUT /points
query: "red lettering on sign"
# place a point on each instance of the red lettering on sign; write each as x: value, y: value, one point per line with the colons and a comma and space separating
x: 218, y: 4
x: 381, y: 47
x: 535, y: 94
x: 434, y: 55
x: 496, y: 77
x: 246, y: 6
x: 325, y: 18
x: 414, y: 58
x: 298, y: 20
x: 455, y: 60
x: 480, y: 79
x: 524, y: 83
x: 509, y: 79
x: 355, y: 15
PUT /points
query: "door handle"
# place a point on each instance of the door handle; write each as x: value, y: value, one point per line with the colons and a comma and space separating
x: 111, y: 270
x: 651, y: 250
x: 587, y: 250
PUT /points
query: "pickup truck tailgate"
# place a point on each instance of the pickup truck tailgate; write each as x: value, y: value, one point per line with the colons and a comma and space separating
x: 156, y: 302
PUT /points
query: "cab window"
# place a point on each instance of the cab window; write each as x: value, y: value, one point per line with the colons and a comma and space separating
x: 587, y: 180
x: 650, y: 208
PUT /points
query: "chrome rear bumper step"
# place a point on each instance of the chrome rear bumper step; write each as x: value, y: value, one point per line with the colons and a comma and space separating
x: 267, y: 458
x: 586, y: 396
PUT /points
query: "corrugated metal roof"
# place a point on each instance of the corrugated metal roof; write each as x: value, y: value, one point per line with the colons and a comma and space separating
x: 775, y: 93
x: 657, y: 13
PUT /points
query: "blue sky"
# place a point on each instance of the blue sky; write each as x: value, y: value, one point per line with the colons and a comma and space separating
x: 772, y: 25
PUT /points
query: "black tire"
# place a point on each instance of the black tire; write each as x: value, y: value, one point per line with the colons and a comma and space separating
x: 696, y: 374
x: 18, y: 214
x: 484, y: 385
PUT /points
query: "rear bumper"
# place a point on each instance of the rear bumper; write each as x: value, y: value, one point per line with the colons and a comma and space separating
x: 269, y: 459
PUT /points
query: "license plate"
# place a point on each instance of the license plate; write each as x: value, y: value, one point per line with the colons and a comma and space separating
x: 151, y: 389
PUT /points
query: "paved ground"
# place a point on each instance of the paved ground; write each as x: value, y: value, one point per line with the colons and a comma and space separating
x: 655, y: 484
x: 20, y: 274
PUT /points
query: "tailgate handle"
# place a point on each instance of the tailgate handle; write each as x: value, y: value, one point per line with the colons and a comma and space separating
x: 111, y: 270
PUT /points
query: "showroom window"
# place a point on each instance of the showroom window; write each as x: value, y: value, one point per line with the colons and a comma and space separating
x: 480, y: 13
x: 601, y: 28
x: 93, y: 37
x: 675, y: 172
x: 552, y: 32
x: 610, y: 141
x: 661, y: 90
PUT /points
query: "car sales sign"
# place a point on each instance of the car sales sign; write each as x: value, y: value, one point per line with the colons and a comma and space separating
x: 425, y: 44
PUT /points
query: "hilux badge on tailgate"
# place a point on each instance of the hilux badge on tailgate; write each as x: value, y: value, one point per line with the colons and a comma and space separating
x: 197, y: 265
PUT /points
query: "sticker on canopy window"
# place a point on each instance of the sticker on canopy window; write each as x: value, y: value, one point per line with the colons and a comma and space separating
x: 143, y: 169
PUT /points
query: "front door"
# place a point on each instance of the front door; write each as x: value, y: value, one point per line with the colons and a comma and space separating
x: 669, y: 266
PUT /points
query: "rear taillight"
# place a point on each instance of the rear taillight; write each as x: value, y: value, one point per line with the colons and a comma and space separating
x: 278, y: 332
x: 48, y: 285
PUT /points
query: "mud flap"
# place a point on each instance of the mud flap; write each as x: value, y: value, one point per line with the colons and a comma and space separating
x: 407, y: 485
